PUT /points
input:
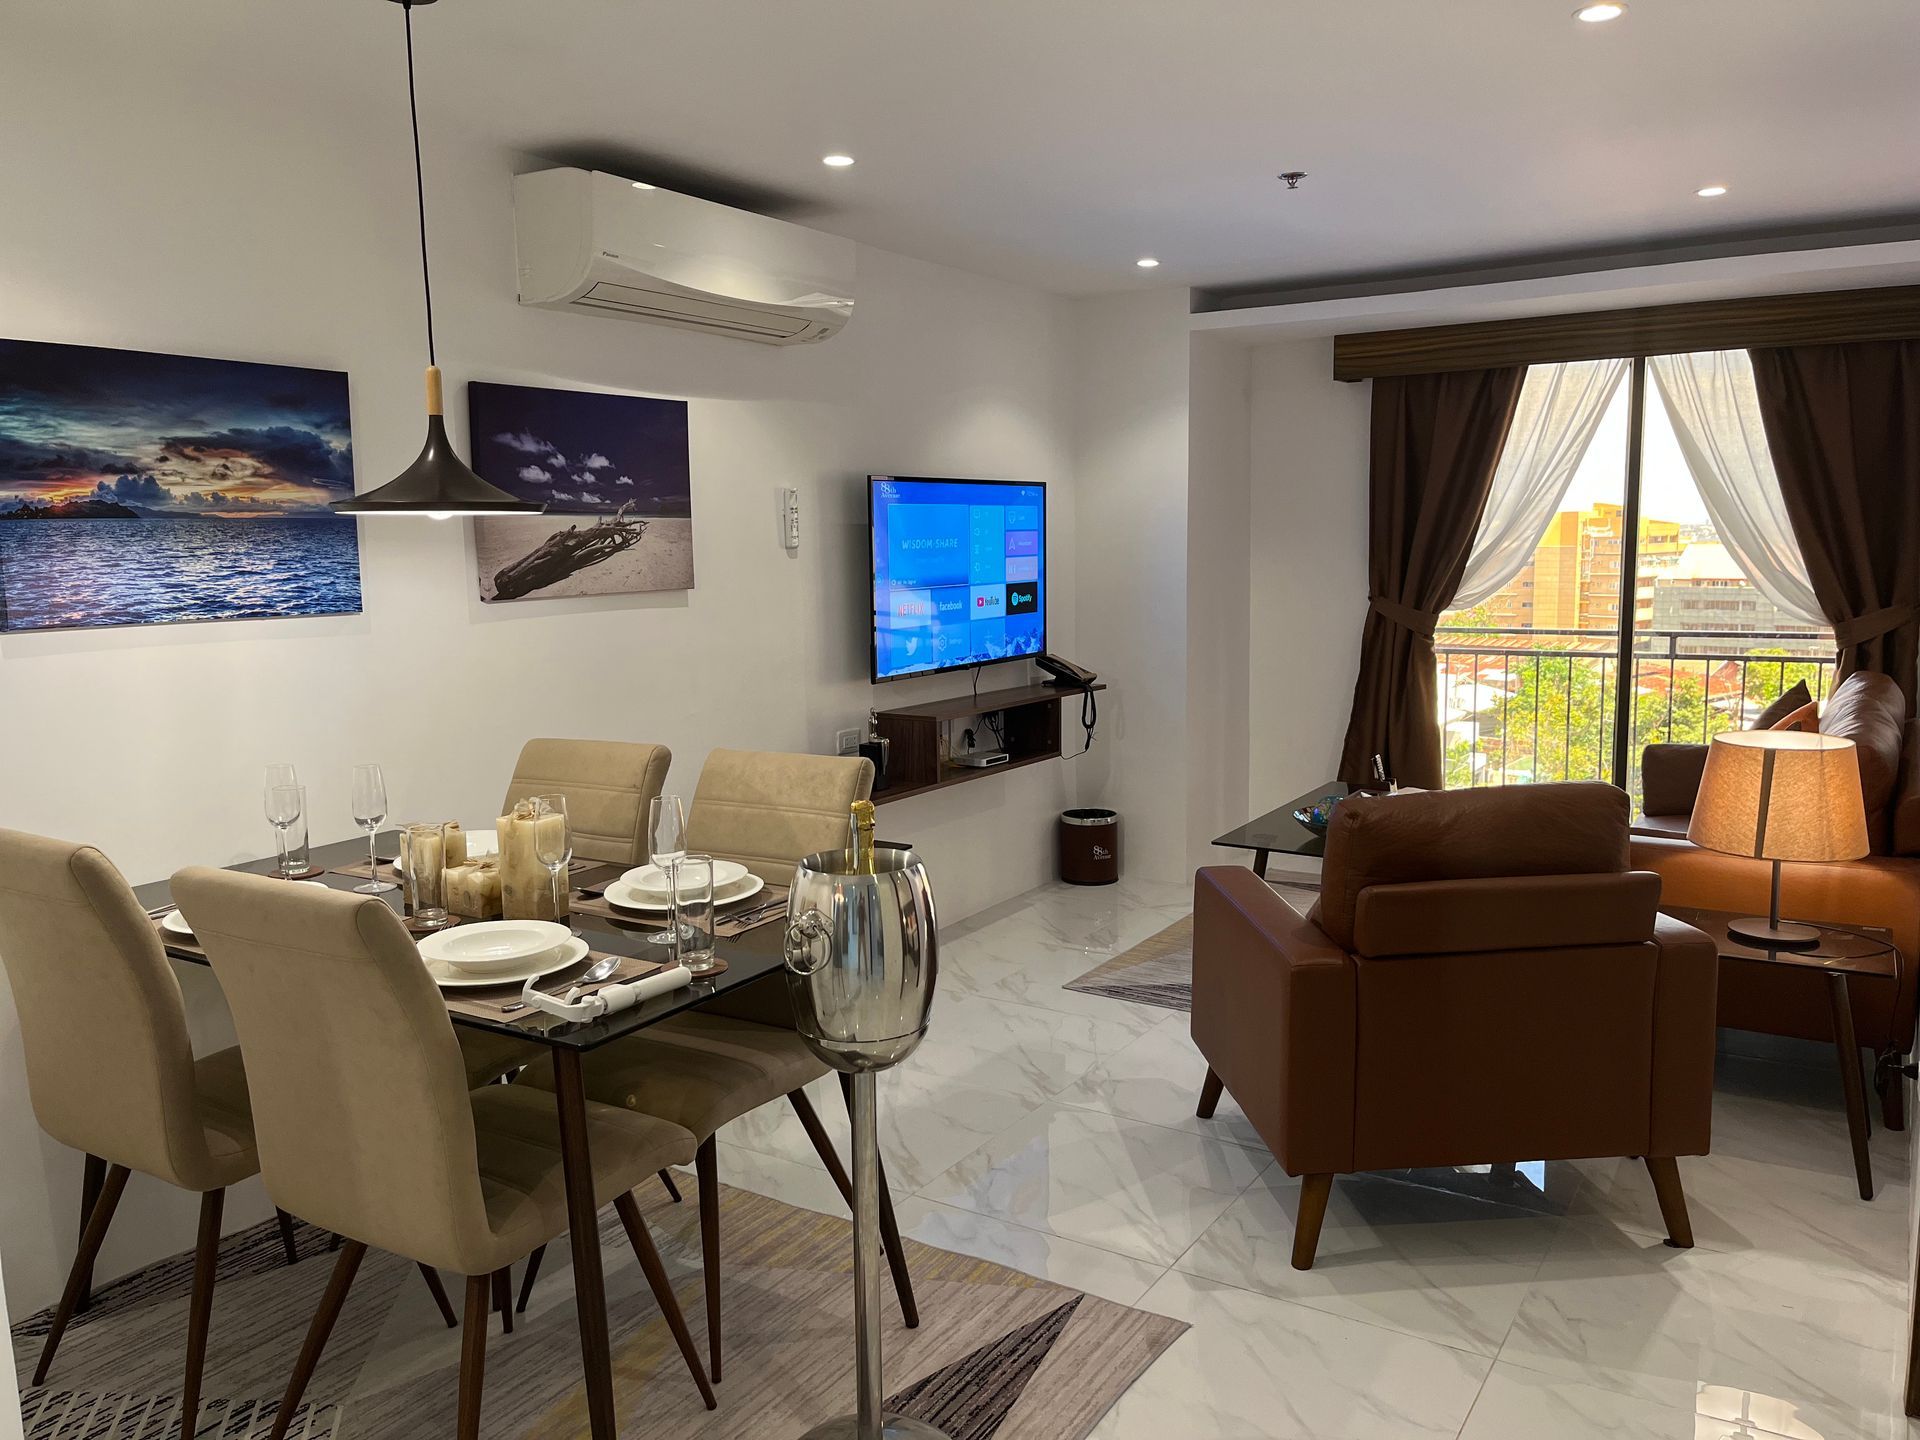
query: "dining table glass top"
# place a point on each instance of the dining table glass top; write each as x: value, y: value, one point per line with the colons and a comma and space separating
x: 751, y: 958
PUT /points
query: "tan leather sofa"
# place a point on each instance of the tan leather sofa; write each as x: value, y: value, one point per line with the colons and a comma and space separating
x: 1881, y: 890
x: 1482, y: 980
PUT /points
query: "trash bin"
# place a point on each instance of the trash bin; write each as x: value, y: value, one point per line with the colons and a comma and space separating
x: 1089, y: 846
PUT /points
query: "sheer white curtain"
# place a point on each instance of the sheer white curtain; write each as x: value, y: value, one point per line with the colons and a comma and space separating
x: 1560, y: 408
x: 1715, y: 410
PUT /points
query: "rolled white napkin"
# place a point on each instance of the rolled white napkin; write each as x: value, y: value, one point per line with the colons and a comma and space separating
x: 609, y: 1000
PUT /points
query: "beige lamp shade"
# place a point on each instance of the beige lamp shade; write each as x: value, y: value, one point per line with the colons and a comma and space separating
x: 1781, y: 795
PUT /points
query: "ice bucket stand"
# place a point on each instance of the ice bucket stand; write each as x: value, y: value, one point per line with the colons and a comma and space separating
x: 862, y: 959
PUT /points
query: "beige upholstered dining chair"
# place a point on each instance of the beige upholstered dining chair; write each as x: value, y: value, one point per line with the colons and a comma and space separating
x: 365, y: 1122
x: 709, y: 1066
x: 110, y: 1068
x: 608, y: 784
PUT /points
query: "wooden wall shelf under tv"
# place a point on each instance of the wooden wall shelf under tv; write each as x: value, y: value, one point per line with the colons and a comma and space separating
x: 1031, y: 723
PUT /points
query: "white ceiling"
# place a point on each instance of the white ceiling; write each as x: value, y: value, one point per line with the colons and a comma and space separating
x: 1055, y: 141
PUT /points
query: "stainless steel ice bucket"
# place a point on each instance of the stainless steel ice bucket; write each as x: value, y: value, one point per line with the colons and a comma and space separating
x: 862, y: 956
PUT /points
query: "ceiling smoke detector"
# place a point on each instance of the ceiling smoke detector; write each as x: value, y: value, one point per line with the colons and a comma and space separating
x: 1292, y: 177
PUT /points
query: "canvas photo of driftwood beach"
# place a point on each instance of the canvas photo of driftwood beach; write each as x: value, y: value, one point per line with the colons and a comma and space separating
x: 614, y: 475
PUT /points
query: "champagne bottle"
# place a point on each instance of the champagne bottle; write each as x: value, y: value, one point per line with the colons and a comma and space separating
x: 861, y: 821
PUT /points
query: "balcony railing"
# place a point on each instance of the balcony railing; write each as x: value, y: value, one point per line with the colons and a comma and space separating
x: 1524, y: 705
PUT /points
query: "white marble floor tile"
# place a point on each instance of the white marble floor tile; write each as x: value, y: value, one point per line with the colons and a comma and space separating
x: 1519, y: 1404
x: 1000, y: 966
x: 1740, y: 1205
x: 1791, y: 1343
x: 927, y: 1123
x: 1141, y: 1190
x: 1157, y: 1079
x: 1256, y: 1368
x: 1114, y: 1277
x: 1020, y: 1049
x: 1411, y: 1258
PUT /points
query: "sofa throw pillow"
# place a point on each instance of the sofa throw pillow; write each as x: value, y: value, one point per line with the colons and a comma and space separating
x: 1788, y: 701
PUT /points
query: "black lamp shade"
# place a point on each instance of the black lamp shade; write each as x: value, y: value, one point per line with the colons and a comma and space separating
x: 438, y: 482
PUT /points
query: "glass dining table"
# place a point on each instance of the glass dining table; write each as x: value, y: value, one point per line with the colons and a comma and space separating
x: 751, y: 959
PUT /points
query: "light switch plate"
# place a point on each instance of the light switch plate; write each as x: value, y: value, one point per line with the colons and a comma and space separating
x: 847, y: 742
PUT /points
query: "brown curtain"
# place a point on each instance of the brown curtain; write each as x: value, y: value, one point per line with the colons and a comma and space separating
x: 1843, y: 425
x: 1436, y: 440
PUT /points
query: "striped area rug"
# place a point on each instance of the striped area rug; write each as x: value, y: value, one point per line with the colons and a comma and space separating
x: 998, y: 1355
x: 1159, y: 970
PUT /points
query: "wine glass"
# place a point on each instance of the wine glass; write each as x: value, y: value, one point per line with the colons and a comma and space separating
x: 370, y: 813
x: 667, y: 843
x: 285, y: 805
x: 552, y: 840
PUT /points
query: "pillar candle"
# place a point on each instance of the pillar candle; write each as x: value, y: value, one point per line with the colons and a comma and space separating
x: 456, y: 840
x: 526, y: 886
x: 473, y: 889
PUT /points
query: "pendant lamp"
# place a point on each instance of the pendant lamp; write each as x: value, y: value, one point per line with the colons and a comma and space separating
x: 438, y: 483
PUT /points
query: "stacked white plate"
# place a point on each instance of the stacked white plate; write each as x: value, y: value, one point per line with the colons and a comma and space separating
x: 500, y: 952
x: 646, y: 890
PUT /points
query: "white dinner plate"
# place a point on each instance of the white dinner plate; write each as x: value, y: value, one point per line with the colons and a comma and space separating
x: 449, y: 978
x: 480, y: 842
x: 623, y: 896
x: 729, y: 879
x: 491, y: 946
x: 174, y: 922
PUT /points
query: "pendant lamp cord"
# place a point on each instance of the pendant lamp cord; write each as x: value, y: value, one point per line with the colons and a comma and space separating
x: 419, y: 182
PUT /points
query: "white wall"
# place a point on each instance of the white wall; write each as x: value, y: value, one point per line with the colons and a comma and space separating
x: 1131, y: 433
x: 1308, y: 576
x: 175, y: 211
x: 1219, y: 628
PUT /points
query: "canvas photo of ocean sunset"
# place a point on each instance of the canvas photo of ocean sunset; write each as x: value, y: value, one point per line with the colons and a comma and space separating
x: 614, y: 474
x: 144, y: 489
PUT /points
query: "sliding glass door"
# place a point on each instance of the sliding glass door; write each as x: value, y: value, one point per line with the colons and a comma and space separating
x: 1635, y: 516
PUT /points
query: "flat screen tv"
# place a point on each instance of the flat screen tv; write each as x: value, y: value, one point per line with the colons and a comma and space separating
x: 959, y: 573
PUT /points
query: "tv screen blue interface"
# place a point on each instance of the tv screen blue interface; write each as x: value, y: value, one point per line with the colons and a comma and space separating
x: 958, y: 573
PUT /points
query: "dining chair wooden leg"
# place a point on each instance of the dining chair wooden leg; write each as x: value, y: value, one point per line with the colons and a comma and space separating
x: 333, y: 1243
x: 92, y: 1179
x: 706, y: 1165
x: 503, y: 1298
x: 666, y: 1179
x: 526, y: 1283
x: 288, y: 1245
x: 1315, y: 1190
x: 656, y: 1274
x: 889, y: 1229
x: 439, y: 1292
x: 331, y: 1301
x: 77, y: 1278
x: 206, y: 1260
x: 473, y: 1354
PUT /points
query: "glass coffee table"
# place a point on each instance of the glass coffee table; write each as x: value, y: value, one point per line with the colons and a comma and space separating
x: 1843, y: 952
x: 1278, y: 833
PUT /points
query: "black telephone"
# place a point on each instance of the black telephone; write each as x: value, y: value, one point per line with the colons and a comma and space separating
x: 1067, y: 675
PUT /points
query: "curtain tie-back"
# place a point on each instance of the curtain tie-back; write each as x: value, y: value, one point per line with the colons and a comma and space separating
x: 1420, y: 622
x: 1862, y: 628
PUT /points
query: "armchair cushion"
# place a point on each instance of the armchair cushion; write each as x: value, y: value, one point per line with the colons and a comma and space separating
x: 1463, y: 835
x: 1785, y: 703
x: 1535, y: 912
x: 1869, y: 709
x: 1670, y: 775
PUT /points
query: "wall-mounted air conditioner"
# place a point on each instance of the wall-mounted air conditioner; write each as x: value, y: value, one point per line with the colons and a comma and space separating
x: 595, y: 243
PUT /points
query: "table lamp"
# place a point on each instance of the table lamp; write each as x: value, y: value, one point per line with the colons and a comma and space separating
x: 1780, y: 795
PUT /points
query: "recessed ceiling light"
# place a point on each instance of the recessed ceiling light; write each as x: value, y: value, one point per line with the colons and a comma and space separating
x: 1146, y: 262
x: 838, y: 162
x: 1601, y: 11
x: 1708, y: 192
x: 641, y: 185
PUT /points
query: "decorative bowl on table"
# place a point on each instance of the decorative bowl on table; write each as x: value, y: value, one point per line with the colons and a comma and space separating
x: 1317, y: 816
x: 495, y: 945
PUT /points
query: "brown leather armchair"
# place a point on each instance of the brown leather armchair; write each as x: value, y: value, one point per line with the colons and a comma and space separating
x: 1482, y: 980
